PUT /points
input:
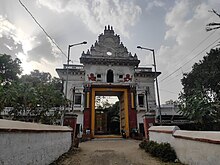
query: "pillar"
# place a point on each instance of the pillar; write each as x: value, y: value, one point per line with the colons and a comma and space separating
x: 70, y: 120
x: 149, y: 120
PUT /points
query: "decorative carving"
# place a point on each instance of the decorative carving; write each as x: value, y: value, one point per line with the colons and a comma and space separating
x: 91, y: 77
x: 109, y: 42
x: 127, y: 78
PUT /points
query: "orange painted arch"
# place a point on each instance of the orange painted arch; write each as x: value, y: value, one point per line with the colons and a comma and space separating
x: 125, y: 95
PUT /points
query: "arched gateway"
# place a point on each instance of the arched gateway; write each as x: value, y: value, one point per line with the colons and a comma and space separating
x: 109, y: 70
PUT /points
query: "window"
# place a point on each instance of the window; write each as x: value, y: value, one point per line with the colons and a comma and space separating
x: 77, y: 99
x: 141, y: 100
x: 99, y: 76
x: 110, y: 76
x: 120, y: 76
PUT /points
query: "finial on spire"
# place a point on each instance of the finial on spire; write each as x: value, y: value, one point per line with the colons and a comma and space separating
x: 108, y: 27
x: 135, y: 56
x: 96, y: 42
x: 88, y: 52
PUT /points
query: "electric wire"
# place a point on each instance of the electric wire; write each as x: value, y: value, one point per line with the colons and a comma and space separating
x: 189, y: 60
x: 169, y: 91
x: 194, y: 49
x: 42, y: 29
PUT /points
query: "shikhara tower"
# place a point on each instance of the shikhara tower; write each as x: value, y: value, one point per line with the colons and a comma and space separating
x: 109, y: 70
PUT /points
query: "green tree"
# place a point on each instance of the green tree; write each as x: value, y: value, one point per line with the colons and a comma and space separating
x: 48, y: 94
x: 9, y: 69
x: 113, y: 117
x: 200, y: 99
x: 35, y: 95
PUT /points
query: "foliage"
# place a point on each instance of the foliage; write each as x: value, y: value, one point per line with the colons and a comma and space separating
x: 113, y: 117
x: 163, y: 150
x: 171, y: 102
x: 102, y: 102
x: 32, y: 97
x: 9, y: 69
x: 210, y: 126
x: 200, y: 99
x: 143, y: 144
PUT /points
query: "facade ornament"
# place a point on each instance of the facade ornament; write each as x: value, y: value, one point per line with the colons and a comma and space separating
x: 127, y: 78
x: 88, y: 52
x: 91, y: 77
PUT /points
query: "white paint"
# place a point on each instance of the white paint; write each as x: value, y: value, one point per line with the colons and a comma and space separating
x: 162, y: 137
x: 9, y: 124
x: 79, y: 118
x: 140, y: 116
x: 108, y: 53
x: 211, y: 135
x: 195, y: 152
x: 102, y: 69
x: 32, y: 146
x: 164, y: 128
x: 189, y: 151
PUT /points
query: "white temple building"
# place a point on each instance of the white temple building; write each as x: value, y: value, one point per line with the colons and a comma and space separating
x: 109, y: 69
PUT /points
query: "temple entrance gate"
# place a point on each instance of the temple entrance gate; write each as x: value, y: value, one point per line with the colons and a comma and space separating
x: 108, y: 68
x: 123, y: 97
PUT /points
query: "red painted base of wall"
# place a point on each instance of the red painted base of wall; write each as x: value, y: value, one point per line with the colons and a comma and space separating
x: 149, y: 120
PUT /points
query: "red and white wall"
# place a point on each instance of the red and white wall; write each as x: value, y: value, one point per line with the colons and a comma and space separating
x: 192, y: 147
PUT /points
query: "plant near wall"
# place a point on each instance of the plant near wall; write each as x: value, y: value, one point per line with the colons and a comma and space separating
x: 162, y: 150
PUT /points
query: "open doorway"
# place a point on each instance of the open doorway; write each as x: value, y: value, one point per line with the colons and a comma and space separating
x: 107, y: 115
x: 101, y: 125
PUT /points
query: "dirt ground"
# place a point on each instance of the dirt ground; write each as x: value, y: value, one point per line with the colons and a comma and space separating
x: 110, y: 152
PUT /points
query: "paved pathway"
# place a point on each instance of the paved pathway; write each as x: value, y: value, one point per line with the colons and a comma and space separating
x: 111, y: 152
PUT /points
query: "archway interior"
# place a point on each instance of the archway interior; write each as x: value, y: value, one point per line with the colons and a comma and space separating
x: 108, y: 113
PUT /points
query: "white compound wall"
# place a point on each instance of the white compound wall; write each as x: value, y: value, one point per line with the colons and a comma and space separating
x: 192, y: 147
x: 28, y: 143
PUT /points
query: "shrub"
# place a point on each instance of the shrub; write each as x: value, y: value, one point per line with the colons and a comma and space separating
x: 163, y: 150
x: 143, y: 144
x: 167, y: 153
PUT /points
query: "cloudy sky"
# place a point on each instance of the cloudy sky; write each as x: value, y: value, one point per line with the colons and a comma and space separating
x: 174, y: 28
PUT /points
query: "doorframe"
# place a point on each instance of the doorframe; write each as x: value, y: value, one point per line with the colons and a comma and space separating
x: 125, y: 93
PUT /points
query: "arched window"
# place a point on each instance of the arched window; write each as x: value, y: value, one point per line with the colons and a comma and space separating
x: 110, y: 76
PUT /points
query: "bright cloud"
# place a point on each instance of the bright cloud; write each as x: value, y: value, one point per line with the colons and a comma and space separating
x: 15, y: 42
x: 184, y: 39
x: 96, y: 14
x: 155, y: 3
x: 9, y: 42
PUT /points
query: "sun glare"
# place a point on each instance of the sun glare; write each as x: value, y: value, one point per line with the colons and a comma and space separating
x: 26, y: 66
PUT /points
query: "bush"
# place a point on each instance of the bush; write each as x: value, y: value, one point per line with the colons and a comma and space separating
x: 143, y: 144
x: 163, y: 150
x: 167, y: 153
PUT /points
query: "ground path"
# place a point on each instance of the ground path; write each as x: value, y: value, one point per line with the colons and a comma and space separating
x: 111, y: 152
